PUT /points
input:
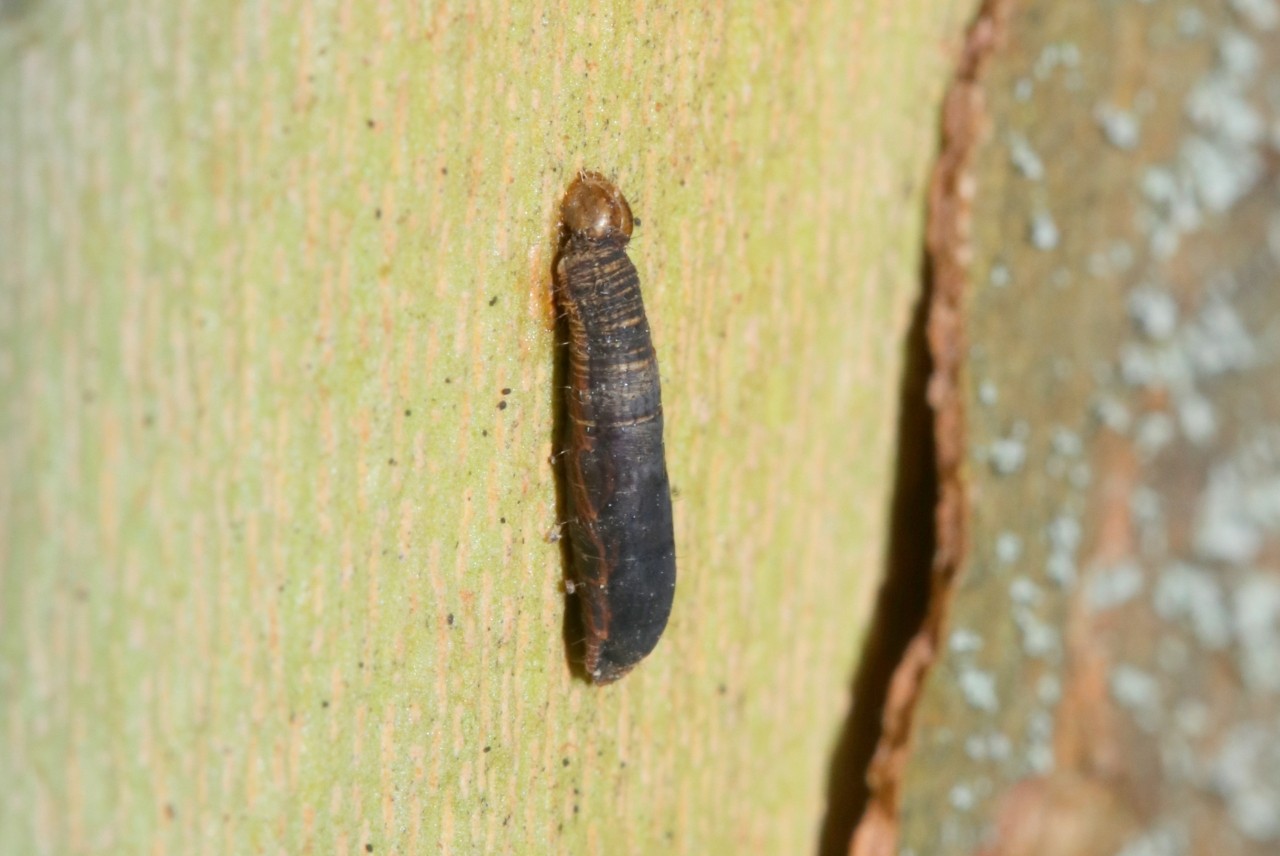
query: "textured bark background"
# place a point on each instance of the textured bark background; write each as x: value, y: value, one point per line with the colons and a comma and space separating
x: 276, y: 360
x: 1109, y: 668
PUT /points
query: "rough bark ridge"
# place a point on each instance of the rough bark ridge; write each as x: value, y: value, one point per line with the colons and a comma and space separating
x: 948, y: 237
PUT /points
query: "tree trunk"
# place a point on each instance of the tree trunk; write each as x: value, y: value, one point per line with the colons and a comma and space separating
x: 278, y: 364
x: 1104, y: 635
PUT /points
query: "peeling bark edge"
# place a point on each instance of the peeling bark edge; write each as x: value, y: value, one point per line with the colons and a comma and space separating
x: 948, y: 251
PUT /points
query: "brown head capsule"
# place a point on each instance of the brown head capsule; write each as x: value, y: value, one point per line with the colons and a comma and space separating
x: 619, y: 498
x: 595, y: 209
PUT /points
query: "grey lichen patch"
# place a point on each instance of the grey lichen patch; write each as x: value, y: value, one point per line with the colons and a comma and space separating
x: 1065, y: 459
x: 1154, y: 312
x: 1191, y: 22
x: 1054, y: 56
x: 1025, y: 592
x: 1008, y: 454
x: 1219, y: 164
x: 962, y: 797
x: 1039, y: 637
x: 1217, y: 341
x: 1179, y: 358
x: 1257, y: 620
x: 1197, y: 419
x: 1239, y: 55
x: 1139, y: 692
x: 1063, y: 535
x: 1008, y: 548
x: 990, y: 746
x: 1214, y: 342
x: 1147, y: 510
x: 1227, y: 531
x: 1039, y: 758
x: 964, y: 641
x: 1120, y: 127
x: 1260, y: 14
x: 1163, y: 840
x: 1240, y: 507
x: 1066, y: 443
x: 1154, y: 432
x: 1113, y: 586
x: 1024, y: 158
x: 1040, y: 728
x: 1112, y: 413
x: 1061, y: 568
x: 1246, y: 774
x: 1043, y: 231
x: 1188, y: 593
x: 978, y: 688
x: 1115, y: 259
x: 1222, y: 170
x: 1219, y: 104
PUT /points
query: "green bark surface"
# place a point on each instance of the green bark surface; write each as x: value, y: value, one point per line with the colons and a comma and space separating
x: 276, y: 407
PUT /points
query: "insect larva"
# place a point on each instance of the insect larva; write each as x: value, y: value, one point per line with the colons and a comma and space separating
x: 619, y: 498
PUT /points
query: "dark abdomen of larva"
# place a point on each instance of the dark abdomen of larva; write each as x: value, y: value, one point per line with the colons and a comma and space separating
x: 620, y: 521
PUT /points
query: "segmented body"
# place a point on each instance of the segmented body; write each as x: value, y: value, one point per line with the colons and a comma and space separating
x: 620, y: 524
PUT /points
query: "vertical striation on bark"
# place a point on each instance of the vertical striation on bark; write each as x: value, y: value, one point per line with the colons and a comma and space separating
x: 276, y: 410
